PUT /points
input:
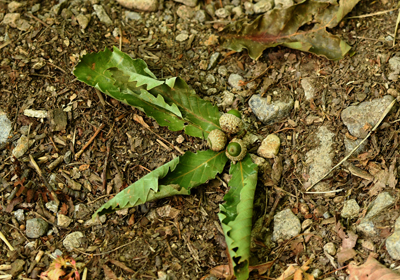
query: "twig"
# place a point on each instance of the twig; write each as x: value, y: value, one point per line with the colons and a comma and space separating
x: 388, y: 108
x: 334, y: 191
x: 108, y: 252
x: 58, y: 67
x: 241, y: 83
x: 104, y: 175
x: 2, y: 237
x: 78, y: 154
x: 374, y: 14
x: 395, y: 30
x: 271, y: 213
x: 39, y: 172
x: 100, y: 96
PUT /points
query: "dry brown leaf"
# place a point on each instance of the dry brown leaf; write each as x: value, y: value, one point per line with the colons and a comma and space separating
x: 372, y: 270
x: 350, y: 240
x: 121, y: 265
x: 262, y: 268
x: 345, y: 255
x: 109, y: 273
x: 221, y: 271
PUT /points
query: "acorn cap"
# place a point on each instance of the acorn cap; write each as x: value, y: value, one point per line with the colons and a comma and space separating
x: 236, y: 150
x: 216, y: 140
x: 230, y: 123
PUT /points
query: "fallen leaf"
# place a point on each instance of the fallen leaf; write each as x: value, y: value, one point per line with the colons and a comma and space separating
x: 350, y: 240
x: 108, y: 272
x: 121, y: 265
x: 345, y: 255
x: 372, y: 270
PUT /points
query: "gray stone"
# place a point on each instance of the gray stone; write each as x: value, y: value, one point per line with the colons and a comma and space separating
x: 319, y: 160
x: 368, y: 112
x: 263, y: 6
x: 213, y: 60
x: 132, y: 16
x: 184, y: 12
x: 394, y: 64
x: 330, y: 248
x: 249, y: 8
x: 350, y: 209
x: 222, y: 13
x: 5, y: 127
x: 316, y: 272
x: 21, y: 147
x: 210, y: 79
x: 81, y: 211
x: 237, y: 11
x: 102, y: 15
x: 227, y: 98
x: 222, y: 71
x: 234, y: 81
x: 11, y: 19
x: 143, y: 5
x: 393, y: 244
x: 182, y: 37
x: 95, y: 222
x: 190, y: 3
x: 52, y: 206
x: 83, y: 21
x: 36, y: 228
x: 19, y: 215
x: 56, y: 9
x: 13, y: 6
x: 200, y: 16
x: 309, y: 88
x: 269, y: 146
x: 73, y: 240
x: 286, y: 225
x: 63, y: 221
x: 351, y: 144
x: 270, y: 113
x: 35, y: 8
x: 367, y: 227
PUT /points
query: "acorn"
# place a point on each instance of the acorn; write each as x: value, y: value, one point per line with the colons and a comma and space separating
x: 216, y: 140
x: 231, y: 122
x: 236, y: 150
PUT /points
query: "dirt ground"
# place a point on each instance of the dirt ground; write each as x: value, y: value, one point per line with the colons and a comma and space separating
x: 141, y: 242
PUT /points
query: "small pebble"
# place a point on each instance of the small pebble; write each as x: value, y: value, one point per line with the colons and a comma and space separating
x: 269, y: 147
x: 222, y: 13
x: 182, y: 37
x: 234, y: 81
x: 330, y: 248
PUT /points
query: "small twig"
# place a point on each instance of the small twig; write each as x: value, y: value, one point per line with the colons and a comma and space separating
x: 241, y: 83
x: 54, y: 144
x: 388, y: 108
x: 58, y: 67
x: 395, y: 30
x: 78, y: 154
x: 108, y: 252
x: 334, y: 191
x: 100, y: 96
x: 39, y: 172
x: 104, y: 175
x: 271, y: 213
x: 2, y: 237
x: 373, y: 14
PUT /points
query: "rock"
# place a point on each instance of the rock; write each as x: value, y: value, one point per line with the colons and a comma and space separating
x: 350, y: 209
x: 263, y: 6
x: 95, y: 222
x: 16, y: 267
x: 35, y: 8
x: 237, y: 11
x: 200, y: 16
x: 5, y: 127
x: 368, y: 112
x: 22, y: 147
x: 73, y: 240
x: 234, y: 81
x: 52, y: 206
x: 286, y: 225
x: 222, y: 13
x: 182, y: 37
x: 309, y: 88
x: 269, y: 147
x: 63, y: 221
x: 13, y: 6
x: 330, y: 248
x: 227, y: 99
x: 394, y: 64
x: 143, y: 5
x: 102, y: 15
x: 68, y: 157
x: 19, y: 215
x: 190, y: 3
x: 393, y: 242
x: 56, y: 9
x: 351, y: 144
x: 58, y: 119
x: 184, y: 12
x: 249, y: 8
x: 270, y: 113
x: 283, y: 4
x: 132, y: 16
x: 222, y: 71
x: 213, y: 60
x: 319, y: 160
x: 40, y: 114
x: 36, y: 228
x: 83, y: 21
x: 316, y: 272
x: 367, y: 225
x: 11, y: 19
x: 81, y: 211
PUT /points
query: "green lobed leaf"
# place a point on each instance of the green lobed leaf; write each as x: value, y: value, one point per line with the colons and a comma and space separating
x: 196, y: 168
x: 302, y: 26
x: 176, y: 177
x: 236, y: 214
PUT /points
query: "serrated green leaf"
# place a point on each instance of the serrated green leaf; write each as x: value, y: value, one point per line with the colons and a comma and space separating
x: 236, y: 214
x: 196, y: 168
x: 176, y: 177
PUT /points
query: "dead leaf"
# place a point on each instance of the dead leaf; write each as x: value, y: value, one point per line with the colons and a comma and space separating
x: 221, y: 271
x: 302, y: 26
x: 262, y: 268
x: 121, y: 265
x: 109, y: 273
x: 350, y: 240
x: 64, y: 209
x: 345, y: 255
x: 372, y: 270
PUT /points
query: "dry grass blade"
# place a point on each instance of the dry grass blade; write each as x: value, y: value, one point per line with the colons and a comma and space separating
x: 395, y: 30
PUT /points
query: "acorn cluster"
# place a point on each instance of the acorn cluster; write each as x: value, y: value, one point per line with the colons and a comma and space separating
x: 231, y: 124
